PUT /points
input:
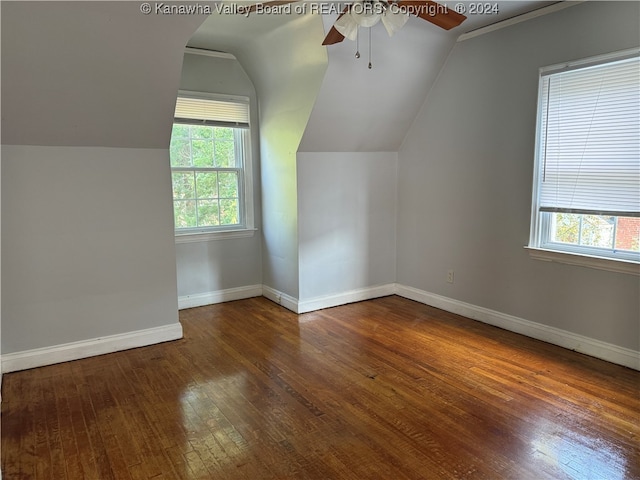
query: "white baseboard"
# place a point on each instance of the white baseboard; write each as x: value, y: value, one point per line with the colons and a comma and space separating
x: 327, y: 301
x: 351, y: 296
x: 220, y: 296
x: 39, y: 357
x: 287, y: 301
x: 572, y: 341
x: 73, y: 351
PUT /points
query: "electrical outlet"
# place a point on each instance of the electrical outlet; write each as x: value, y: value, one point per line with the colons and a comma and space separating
x: 450, y: 276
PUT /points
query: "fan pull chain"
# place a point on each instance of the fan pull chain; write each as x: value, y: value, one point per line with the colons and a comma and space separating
x: 358, y: 42
x: 370, y: 64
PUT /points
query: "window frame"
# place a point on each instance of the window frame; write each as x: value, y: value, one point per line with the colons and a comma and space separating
x: 540, y: 245
x: 243, y: 138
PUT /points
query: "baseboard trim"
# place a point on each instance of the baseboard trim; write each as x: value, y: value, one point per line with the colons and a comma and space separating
x: 98, y: 346
x: 572, y: 341
x: 220, y: 296
x: 40, y: 357
x: 328, y: 301
x: 276, y: 296
x: 351, y: 296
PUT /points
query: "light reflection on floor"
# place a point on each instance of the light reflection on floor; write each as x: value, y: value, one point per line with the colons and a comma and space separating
x: 579, y: 457
x: 208, y: 430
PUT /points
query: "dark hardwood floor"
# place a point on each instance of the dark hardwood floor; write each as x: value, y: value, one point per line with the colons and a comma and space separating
x: 384, y: 389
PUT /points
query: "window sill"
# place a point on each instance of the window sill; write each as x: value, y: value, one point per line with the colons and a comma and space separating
x: 197, y: 237
x: 599, y: 263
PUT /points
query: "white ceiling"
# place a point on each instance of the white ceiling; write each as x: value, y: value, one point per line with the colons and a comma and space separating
x: 102, y: 73
x: 506, y: 10
x: 250, y: 26
x: 90, y: 73
x: 359, y: 109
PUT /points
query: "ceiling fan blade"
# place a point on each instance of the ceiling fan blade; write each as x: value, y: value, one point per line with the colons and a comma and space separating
x: 273, y: 3
x: 433, y: 12
x: 334, y: 36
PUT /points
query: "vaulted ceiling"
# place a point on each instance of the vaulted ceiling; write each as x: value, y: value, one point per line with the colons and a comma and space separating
x: 358, y: 109
x: 105, y: 74
x: 85, y: 73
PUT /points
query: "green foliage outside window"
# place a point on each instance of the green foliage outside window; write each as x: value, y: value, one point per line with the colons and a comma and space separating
x: 205, y: 176
x: 601, y: 231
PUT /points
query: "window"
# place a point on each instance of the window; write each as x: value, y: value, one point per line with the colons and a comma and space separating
x: 586, y: 195
x: 210, y: 165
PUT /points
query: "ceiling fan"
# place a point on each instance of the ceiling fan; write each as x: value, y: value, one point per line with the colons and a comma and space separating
x: 392, y: 13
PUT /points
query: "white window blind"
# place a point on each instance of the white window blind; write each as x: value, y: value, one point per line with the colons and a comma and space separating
x: 212, y: 112
x: 590, y: 140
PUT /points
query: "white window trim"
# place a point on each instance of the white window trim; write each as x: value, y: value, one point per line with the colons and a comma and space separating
x: 236, y: 231
x: 570, y: 255
x: 214, y: 96
x: 208, y: 236
x: 582, y: 260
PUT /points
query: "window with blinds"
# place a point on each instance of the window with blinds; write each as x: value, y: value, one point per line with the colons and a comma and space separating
x: 212, y: 112
x: 210, y: 165
x: 587, y: 173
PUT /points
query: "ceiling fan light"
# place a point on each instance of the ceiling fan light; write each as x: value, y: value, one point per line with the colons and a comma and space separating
x: 347, y: 26
x: 366, y: 18
x: 394, y: 21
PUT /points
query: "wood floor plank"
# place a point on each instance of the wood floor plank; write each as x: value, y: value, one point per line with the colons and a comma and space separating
x: 383, y: 389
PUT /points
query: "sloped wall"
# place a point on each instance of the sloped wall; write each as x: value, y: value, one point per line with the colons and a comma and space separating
x: 88, y: 91
x: 362, y: 110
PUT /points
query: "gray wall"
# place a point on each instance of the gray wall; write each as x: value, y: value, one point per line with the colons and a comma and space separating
x: 465, y: 179
x: 87, y: 244
x: 346, y: 225
x: 88, y: 251
x: 215, y: 265
x: 88, y: 92
x: 286, y: 66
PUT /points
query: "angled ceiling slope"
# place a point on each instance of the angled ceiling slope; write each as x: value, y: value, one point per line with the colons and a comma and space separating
x: 358, y: 109
x: 371, y: 110
x: 90, y: 73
